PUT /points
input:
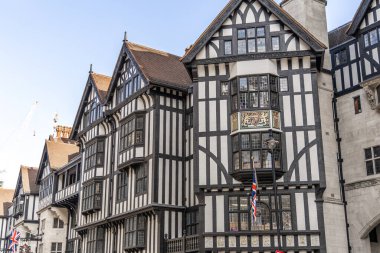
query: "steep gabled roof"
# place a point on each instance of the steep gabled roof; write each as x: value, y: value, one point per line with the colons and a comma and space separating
x: 27, y: 180
x: 359, y: 16
x: 6, y: 196
x: 160, y: 67
x: 102, y: 84
x: 339, y: 35
x: 272, y: 6
x: 59, y: 150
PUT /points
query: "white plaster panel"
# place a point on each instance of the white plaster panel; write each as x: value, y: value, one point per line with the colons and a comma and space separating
x: 346, y: 75
x: 202, y: 169
x: 304, y: 45
x: 354, y: 70
x: 296, y: 83
x: 310, y: 109
x: 201, y: 54
x: 375, y: 54
x: 312, y: 135
x: 300, y: 140
x: 202, y: 117
x: 250, y: 18
x: 212, y: 89
x: 306, y: 62
x: 300, y: 208
x: 307, y: 82
x: 212, y: 115
x: 302, y: 168
x: 201, y: 90
x: 223, y: 115
x: 208, y: 213
x: 295, y: 63
x: 201, y: 71
x: 367, y: 65
x: 211, y: 70
x: 220, y: 214
x: 289, y: 148
x: 275, y: 27
x: 227, y: 32
x: 253, y: 67
x: 298, y: 110
x: 213, y: 172
x: 284, y: 64
x: 313, y: 215
x: 287, y: 111
x: 338, y: 80
x: 352, y: 52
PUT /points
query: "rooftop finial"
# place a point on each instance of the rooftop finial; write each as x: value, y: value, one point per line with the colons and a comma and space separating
x: 125, y: 36
x: 90, y: 69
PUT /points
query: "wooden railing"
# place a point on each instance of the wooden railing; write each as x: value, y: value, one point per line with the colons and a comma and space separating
x: 67, y: 192
x: 185, y: 244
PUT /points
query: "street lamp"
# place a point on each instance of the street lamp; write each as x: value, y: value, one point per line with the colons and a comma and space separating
x: 272, y: 144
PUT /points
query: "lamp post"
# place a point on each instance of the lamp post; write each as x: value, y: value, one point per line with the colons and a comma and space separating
x: 272, y: 144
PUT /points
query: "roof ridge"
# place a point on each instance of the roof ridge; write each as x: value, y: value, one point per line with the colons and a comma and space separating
x: 340, y: 27
x: 94, y: 73
x: 151, y: 49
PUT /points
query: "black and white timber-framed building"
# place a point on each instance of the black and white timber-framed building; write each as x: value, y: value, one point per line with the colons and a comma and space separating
x: 161, y: 154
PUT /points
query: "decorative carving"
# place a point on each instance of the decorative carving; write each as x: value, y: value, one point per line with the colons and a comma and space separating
x: 220, y: 242
x: 302, y: 240
x: 290, y: 241
x: 370, y: 96
x: 251, y: 120
x: 276, y: 120
x: 266, y: 241
x: 209, y: 242
x: 234, y: 122
x: 314, y: 240
x: 232, y: 241
x: 362, y: 184
x: 243, y: 241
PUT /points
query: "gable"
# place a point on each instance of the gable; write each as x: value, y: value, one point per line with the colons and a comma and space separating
x: 245, y: 13
x: 367, y: 14
x: 249, y: 17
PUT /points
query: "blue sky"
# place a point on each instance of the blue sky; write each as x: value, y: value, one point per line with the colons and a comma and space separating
x: 46, y: 48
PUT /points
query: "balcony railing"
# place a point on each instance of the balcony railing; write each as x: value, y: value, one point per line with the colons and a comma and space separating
x: 183, y: 245
x: 67, y: 192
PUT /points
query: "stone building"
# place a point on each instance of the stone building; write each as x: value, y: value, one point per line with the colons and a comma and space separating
x: 6, y: 197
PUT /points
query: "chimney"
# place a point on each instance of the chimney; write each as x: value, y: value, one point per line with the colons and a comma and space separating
x: 62, y: 132
x: 311, y: 14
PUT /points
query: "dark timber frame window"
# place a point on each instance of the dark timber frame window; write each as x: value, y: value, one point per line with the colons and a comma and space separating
x: 135, y: 232
x: 92, y: 197
x: 70, y: 246
x: 56, y: 247
x: 19, y: 205
x: 122, y: 186
x: 95, y: 240
x: 132, y: 132
x: 251, y: 40
x: 250, y: 149
x: 227, y: 47
x: 129, y: 83
x: 93, y: 113
x: 46, y: 187
x: 371, y: 38
x: 94, y: 154
x: 239, y: 213
x: 341, y: 57
x: 284, y: 85
x: 224, y: 89
x: 275, y: 43
x: 189, y: 119
x: 372, y: 160
x: 357, y: 105
x: 192, y: 222
x: 141, y: 179
x: 253, y: 92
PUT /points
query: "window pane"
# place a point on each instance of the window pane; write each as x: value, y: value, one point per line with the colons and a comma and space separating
x: 357, y: 105
x: 243, y: 204
x: 234, y: 102
x: 251, y: 32
x: 263, y: 83
x: 243, y: 100
x: 224, y: 88
x: 284, y: 84
x: 267, y: 159
x: 233, y: 204
x: 376, y: 151
x: 274, y: 99
x: 243, y: 83
x: 140, y: 122
x: 234, y: 86
x: 244, y: 221
x: 242, y: 46
x: 227, y: 47
x: 343, y: 56
x: 235, y: 143
x: 366, y: 40
x: 241, y: 34
x: 253, y: 83
x: 234, y: 222
x: 377, y: 166
x: 251, y: 46
x: 275, y: 43
x: 255, y: 141
x: 373, y: 37
x: 257, y: 159
x: 369, y: 166
x: 368, y: 153
x: 236, y: 161
x: 337, y: 59
x: 245, y: 141
x: 261, y: 45
x: 260, y: 32
x: 285, y: 202
x: 253, y: 100
x: 264, y: 99
x: 246, y: 160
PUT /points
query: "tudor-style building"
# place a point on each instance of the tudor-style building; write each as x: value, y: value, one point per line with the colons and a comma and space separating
x: 56, y: 188
x: 169, y: 145
x: 6, y: 197
x: 356, y: 66
x: 24, y: 207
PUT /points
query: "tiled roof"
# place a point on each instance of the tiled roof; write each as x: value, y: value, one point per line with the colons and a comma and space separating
x: 6, y: 196
x: 28, y: 177
x: 339, y: 35
x: 160, y: 67
x: 102, y: 84
x: 59, y: 150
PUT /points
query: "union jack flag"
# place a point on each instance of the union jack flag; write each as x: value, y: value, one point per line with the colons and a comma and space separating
x: 253, y: 199
x: 13, y: 241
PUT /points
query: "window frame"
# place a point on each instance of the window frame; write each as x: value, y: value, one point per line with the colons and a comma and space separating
x: 92, y: 196
x: 135, y: 231
x: 279, y: 43
x: 122, y: 186
x: 58, y: 223
x: 129, y: 130
x: 250, y: 38
x: 141, y: 180
x: 56, y: 245
x: 94, y: 153
x: 357, y: 104
x: 225, y: 48
x: 373, y: 160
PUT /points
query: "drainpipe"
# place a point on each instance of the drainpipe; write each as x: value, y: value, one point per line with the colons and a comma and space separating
x: 340, y: 170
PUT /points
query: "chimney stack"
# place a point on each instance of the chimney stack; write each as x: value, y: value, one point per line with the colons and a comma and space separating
x: 62, y: 132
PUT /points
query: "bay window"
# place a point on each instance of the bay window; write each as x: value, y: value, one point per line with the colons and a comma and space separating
x: 92, y: 197
x: 135, y: 232
x: 132, y: 132
x: 94, y: 154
